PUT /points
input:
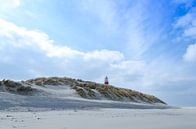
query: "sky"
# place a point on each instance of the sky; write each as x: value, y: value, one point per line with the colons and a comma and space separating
x: 145, y: 45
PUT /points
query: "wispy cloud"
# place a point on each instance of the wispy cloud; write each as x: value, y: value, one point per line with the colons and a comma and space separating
x: 103, y: 10
x: 188, y: 25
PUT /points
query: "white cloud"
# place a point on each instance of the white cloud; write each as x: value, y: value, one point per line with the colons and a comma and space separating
x: 130, y: 66
x: 188, y: 24
x: 9, y: 4
x: 190, y: 54
x: 22, y: 37
x: 104, y: 55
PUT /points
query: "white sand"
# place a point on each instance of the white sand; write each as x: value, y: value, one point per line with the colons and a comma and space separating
x: 101, y: 119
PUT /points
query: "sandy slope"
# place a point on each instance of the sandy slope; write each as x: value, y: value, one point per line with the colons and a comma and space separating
x: 60, y: 98
x: 101, y: 119
x: 13, y: 102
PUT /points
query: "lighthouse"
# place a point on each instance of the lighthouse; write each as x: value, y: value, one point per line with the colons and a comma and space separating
x: 106, y: 82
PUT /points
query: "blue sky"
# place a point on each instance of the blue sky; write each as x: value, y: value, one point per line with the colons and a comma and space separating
x: 146, y: 45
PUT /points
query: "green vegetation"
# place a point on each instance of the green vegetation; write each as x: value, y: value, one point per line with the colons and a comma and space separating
x: 16, y: 87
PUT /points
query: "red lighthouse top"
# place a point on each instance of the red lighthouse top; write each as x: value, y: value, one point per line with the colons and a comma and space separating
x: 106, y: 82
